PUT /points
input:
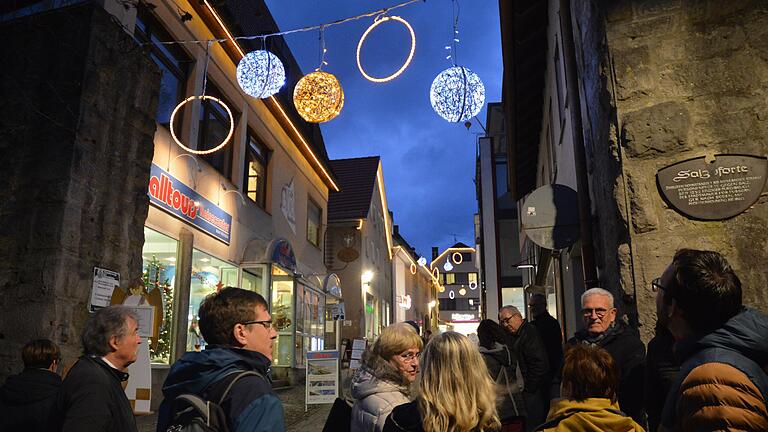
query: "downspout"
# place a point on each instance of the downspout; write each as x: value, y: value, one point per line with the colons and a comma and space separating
x: 577, y: 129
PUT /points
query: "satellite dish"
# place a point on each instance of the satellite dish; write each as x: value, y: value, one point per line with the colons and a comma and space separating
x: 550, y: 216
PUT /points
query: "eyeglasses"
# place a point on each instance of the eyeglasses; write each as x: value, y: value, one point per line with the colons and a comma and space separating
x: 506, y: 320
x: 410, y: 357
x: 266, y: 323
x: 656, y: 285
x: 600, y: 312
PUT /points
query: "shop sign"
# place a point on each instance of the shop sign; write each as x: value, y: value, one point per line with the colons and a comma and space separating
x: 462, y: 317
x: 322, y: 380
x: 405, y: 302
x: 714, y: 190
x: 169, y: 194
x: 282, y: 254
x: 104, y: 284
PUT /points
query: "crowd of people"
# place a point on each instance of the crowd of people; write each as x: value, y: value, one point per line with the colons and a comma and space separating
x: 705, y: 369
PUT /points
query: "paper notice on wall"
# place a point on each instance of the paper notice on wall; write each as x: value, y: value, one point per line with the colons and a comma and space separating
x: 104, y: 283
x: 146, y: 322
x: 358, y: 344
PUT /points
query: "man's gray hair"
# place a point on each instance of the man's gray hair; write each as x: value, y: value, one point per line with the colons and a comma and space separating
x: 597, y: 291
x: 105, y: 324
x: 513, y: 310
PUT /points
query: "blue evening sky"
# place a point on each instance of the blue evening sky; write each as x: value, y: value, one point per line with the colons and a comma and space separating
x: 429, y: 164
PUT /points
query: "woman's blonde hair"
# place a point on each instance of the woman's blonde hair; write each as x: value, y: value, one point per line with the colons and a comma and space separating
x: 455, y: 391
x: 395, y: 339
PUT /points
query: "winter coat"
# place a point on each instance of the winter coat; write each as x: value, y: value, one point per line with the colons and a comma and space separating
x: 499, y: 360
x: 661, y: 369
x: 527, y: 344
x: 552, y: 338
x: 92, y: 399
x: 377, y: 388
x: 589, y: 415
x: 624, y: 345
x: 250, y: 406
x: 722, y: 384
x: 27, y: 400
x: 404, y: 418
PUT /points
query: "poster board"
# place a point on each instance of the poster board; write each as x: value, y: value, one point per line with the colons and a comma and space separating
x: 358, y: 346
x: 104, y: 284
x: 322, y: 379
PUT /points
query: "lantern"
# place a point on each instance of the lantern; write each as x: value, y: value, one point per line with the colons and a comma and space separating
x: 318, y: 97
x: 457, y: 94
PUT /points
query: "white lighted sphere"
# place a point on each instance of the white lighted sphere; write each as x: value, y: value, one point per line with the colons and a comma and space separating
x: 318, y: 97
x: 457, y: 94
x: 260, y: 74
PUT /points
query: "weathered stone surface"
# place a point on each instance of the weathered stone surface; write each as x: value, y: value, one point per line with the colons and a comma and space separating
x: 658, y: 129
x: 77, y: 152
x: 643, y: 208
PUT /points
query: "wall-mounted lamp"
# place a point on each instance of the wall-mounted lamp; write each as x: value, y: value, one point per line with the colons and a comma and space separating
x: 235, y: 191
x: 366, y: 277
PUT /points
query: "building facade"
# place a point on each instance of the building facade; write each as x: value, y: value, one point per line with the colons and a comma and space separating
x: 461, y: 308
x: 414, y: 287
x: 603, y: 98
x: 359, y: 246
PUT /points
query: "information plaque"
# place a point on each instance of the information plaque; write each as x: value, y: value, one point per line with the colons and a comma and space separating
x: 715, y: 190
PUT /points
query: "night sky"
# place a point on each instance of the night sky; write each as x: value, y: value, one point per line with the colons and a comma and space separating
x: 428, y: 163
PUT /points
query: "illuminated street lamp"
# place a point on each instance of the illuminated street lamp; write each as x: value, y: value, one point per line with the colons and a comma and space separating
x: 366, y: 277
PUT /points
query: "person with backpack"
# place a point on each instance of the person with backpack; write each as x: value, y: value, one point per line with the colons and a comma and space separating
x: 504, y: 370
x: 231, y: 376
x: 589, y: 390
x: 722, y: 347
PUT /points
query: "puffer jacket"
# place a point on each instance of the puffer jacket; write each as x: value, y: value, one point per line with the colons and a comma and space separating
x: 377, y: 388
x: 589, y: 415
x: 510, y: 402
x: 722, y: 384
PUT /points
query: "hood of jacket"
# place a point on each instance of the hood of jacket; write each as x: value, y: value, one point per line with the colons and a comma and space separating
x: 30, y: 386
x: 377, y: 375
x: 745, y: 333
x: 499, y: 352
x: 590, y: 415
x: 195, y: 371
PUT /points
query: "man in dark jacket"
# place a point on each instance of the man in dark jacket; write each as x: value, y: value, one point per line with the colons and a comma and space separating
x: 552, y: 338
x: 525, y: 343
x: 601, y: 328
x: 721, y: 345
x: 92, y: 397
x: 661, y: 368
x: 238, y: 329
x: 28, y: 399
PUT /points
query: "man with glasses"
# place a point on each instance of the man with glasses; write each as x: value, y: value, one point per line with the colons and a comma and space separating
x: 526, y: 345
x: 238, y: 329
x: 602, y: 329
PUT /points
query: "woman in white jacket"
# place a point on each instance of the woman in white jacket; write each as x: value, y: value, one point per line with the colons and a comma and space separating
x: 384, y: 379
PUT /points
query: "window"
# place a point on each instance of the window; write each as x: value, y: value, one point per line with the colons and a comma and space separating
x: 450, y: 278
x: 255, y: 182
x: 447, y: 304
x: 159, y: 271
x: 214, y: 127
x: 173, y: 61
x: 466, y: 257
x: 472, y: 277
x: 208, y: 275
x: 314, y: 221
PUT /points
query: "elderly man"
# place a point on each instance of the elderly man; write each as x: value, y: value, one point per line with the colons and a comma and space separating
x: 525, y: 343
x: 92, y: 397
x: 601, y: 328
x: 722, y: 346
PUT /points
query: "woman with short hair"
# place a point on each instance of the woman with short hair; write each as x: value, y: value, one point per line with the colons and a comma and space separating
x: 454, y: 392
x: 384, y: 379
x: 589, y: 389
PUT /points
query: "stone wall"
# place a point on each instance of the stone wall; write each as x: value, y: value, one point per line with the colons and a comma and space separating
x: 667, y: 81
x: 76, y: 142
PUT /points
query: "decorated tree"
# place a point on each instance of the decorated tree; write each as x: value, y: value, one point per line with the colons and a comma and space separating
x: 154, y: 278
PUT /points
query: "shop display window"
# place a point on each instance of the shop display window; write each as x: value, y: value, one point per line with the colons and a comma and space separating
x: 253, y: 280
x: 282, y: 317
x: 209, y: 274
x: 159, y: 270
x: 310, y: 322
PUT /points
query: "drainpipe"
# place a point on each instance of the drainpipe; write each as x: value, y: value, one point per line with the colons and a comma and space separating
x: 582, y: 180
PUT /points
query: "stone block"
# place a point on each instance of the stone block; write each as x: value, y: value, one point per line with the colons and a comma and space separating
x: 634, y: 72
x: 659, y: 129
x: 710, y: 42
x: 647, y: 8
x: 644, y: 218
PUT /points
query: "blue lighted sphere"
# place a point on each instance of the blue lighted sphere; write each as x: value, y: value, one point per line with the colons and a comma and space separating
x: 457, y: 94
x: 260, y: 74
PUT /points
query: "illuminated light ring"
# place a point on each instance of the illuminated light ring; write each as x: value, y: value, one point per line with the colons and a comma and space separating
x: 436, y: 273
x: 473, y: 285
x: 218, y: 147
x: 413, y: 268
x: 441, y: 288
x: 407, y: 61
x: 459, y: 260
x: 451, y: 295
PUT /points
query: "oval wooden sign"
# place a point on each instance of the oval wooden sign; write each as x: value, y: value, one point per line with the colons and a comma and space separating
x: 715, y: 190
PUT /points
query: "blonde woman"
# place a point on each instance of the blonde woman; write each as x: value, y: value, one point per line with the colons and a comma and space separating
x: 384, y: 380
x: 455, y: 393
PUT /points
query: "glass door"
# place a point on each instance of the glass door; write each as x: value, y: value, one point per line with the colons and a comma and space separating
x: 282, y: 317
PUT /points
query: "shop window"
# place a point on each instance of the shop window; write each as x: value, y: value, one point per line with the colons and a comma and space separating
x: 314, y: 221
x: 255, y: 182
x: 209, y: 274
x: 214, y: 127
x: 282, y: 317
x: 159, y: 270
x: 310, y: 322
x: 173, y: 61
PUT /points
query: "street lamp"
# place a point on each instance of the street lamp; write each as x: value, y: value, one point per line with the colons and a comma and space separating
x: 366, y: 277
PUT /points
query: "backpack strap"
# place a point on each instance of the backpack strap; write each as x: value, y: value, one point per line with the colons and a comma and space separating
x: 230, y: 379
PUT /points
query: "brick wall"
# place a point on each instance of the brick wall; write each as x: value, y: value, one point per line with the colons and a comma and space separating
x: 76, y: 142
